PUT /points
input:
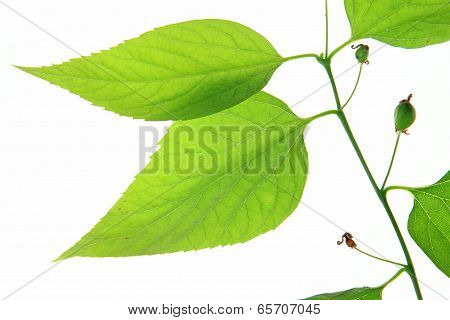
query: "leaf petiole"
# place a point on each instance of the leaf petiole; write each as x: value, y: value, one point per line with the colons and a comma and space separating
x: 381, y: 259
x: 300, y: 56
x: 333, y: 53
x: 395, y: 276
x: 322, y: 114
x: 387, y: 189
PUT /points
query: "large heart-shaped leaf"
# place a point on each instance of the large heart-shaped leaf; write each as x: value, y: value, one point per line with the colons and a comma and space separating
x: 364, y: 293
x: 217, y: 180
x: 180, y: 71
x: 402, y: 23
x: 429, y: 221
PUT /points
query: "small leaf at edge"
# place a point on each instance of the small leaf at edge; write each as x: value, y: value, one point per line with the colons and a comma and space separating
x: 364, y: 293
x: 429, y: 221
x: 401, y: 23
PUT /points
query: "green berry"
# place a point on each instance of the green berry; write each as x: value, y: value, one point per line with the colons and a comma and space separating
x: 404, y: 115
x: 362, y: 53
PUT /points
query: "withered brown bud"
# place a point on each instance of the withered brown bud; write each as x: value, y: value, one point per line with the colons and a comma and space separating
x: 348, y: 238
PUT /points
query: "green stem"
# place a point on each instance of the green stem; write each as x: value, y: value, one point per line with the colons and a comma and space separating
x: 378, y: 258
x: 326, y: 29
x: 395, y: 276
x: 381, y: 195
x: 346, y: 43
x: 399, y: 133
x: 354, y: 89
x: 299, y: 56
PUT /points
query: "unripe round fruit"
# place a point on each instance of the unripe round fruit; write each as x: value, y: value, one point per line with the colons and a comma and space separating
x: 404, y: 115
x: 362, y: 54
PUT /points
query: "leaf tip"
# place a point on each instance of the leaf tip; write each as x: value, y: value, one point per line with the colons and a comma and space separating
x: 62, y: 257
x: 24, y: 69
x: 19, y: 67
x: 67, y: 254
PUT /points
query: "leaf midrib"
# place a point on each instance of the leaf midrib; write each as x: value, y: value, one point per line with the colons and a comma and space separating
x: 202, y: 74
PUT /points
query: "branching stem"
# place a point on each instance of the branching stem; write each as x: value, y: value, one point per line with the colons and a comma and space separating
x: 326, y: 29
x: 381, y: 195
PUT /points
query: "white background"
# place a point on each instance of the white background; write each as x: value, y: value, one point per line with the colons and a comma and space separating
x: 64, y: 162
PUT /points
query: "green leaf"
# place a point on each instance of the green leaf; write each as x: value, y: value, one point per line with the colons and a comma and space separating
x: 429, y: 221
x: 217, y: 180
x: 400, y: 23
x: 364, y: 293
x: 180, y: 71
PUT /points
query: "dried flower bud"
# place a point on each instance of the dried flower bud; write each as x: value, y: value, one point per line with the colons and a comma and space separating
x: 348, y: 238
